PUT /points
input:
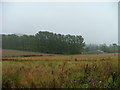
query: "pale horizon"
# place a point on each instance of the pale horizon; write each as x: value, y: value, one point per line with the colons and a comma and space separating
x: 97, y: 23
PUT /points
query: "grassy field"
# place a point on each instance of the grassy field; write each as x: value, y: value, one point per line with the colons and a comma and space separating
x: 61, y: 71
x: 11, y: 53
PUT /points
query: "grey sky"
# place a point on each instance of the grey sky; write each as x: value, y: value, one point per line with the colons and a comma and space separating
x: 96, y: 22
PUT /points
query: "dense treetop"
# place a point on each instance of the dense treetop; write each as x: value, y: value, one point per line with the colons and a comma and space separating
x: 46, y: 42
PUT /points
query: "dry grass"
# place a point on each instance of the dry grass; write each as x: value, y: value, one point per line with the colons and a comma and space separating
x: 62, y: 71
x: 10, y: 53
x: 84, y: 57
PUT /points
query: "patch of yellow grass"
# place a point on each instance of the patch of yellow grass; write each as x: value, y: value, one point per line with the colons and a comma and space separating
x: 60, y: 71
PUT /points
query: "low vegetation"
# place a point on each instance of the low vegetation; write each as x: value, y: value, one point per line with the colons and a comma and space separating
x: 62, y: 71
x: 15, y: 53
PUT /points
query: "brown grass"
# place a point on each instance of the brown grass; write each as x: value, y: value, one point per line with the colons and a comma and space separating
x: 62, y: 71
x: 10, y: 53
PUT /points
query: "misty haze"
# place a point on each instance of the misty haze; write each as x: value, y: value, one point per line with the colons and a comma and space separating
x: 96, y: 22
x: 59, y: 45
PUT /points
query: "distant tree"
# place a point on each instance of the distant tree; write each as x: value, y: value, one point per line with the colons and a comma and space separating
x: 57, y: 43
x: 103, y: 47
x: 46, y: 42
x: 114, y: 45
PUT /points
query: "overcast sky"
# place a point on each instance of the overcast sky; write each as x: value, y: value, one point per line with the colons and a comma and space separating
x: 96, y: 22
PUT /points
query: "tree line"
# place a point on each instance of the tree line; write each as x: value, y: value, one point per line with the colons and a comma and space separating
x: 91, y: 48
x: 45, y: 42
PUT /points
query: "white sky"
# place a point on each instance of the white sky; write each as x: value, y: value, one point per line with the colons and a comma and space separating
x: 96, y: 22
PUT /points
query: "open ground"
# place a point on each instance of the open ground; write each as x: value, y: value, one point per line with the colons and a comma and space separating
x: 60, y: 71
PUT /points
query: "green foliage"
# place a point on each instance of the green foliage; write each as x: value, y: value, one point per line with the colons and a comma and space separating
x: 112, y: 82
x: 93, y: 48
x: 46, y: 42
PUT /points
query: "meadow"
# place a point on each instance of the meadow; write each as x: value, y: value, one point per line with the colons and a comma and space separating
x: 61, y: 71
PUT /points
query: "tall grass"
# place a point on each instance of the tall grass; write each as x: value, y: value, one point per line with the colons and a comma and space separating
x: 61, y: 73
